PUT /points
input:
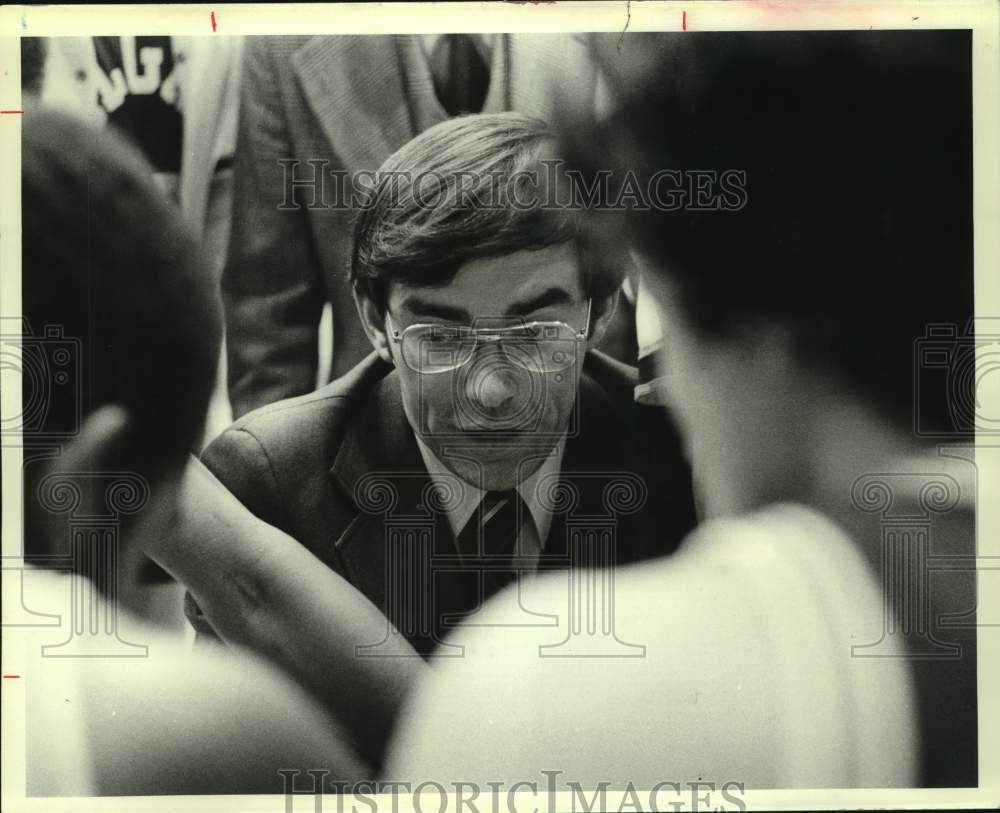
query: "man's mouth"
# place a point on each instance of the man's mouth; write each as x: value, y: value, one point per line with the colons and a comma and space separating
x: 504, y: 444
x: 495, y: 440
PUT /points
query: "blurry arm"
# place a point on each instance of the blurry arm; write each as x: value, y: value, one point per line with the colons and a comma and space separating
x: 261, y: 589
x: 214, y: 722
x: 271, y: 285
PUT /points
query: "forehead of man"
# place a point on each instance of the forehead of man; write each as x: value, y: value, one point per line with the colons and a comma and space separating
x: 519, y: 284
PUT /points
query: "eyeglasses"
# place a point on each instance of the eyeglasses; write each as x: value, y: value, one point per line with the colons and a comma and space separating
x: 539, y: 347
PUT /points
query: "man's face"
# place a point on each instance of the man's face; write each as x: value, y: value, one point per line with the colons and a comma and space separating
x: 497, y: 415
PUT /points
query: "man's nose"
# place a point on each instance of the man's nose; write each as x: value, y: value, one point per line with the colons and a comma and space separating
x: 493, y: 383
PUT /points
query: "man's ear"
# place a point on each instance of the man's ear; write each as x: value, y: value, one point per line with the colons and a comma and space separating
x: 374, y: 325
x: 601, y: 313
x: 98, y: 445
x: 94, y: 449
x: 103, y: 447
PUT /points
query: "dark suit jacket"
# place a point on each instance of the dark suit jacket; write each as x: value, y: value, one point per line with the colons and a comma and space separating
x: 350, y: 101
x: 301, y: 465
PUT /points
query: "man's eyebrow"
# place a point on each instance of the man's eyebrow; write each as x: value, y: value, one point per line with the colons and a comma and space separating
x: 452, y: 313
x: 552, y: 296
x: 420, y: 308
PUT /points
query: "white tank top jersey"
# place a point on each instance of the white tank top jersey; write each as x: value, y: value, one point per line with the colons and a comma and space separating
x: 747, y: 675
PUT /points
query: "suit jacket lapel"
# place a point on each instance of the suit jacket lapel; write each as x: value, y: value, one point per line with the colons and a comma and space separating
x: 378, y: 455
x: 418, y: 85
x: 593, y: 449
x: 592, y: 445
x: 355, y: 88
x: 548, y: 70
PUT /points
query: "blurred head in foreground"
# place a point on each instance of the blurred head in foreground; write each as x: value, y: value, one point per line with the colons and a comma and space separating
x: 795, y: 284
x: 124, y: 331
x: 119, y: 368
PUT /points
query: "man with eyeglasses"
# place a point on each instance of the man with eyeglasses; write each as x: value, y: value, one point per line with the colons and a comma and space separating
x: 484, y: 434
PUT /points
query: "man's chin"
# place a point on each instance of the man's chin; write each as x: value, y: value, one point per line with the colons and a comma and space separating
x: 495, y: 467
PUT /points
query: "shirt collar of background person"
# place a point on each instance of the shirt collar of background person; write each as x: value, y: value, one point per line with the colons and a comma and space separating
x: 472, y: 496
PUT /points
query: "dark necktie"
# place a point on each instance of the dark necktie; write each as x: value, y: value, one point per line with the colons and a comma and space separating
x: 461, y: 75
x: 490, y: 537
